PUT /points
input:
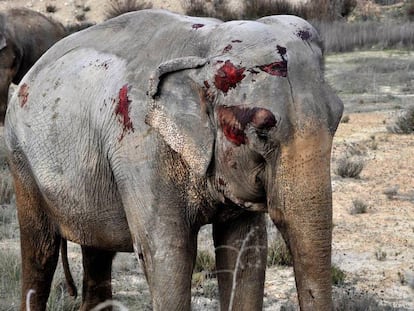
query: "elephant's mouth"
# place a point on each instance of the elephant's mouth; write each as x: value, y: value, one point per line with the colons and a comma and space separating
x: 251, y: 206
x: 255, y: 206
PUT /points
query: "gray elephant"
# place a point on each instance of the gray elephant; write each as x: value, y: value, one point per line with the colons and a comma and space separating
x: 132, y: 134
x: 24, y: 36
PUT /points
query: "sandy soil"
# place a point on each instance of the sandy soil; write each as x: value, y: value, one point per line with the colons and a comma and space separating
x: 375, y: 249
x: 67, y: 10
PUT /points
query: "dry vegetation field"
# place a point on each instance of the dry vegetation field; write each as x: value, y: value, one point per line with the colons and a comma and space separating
x: 373, y: 197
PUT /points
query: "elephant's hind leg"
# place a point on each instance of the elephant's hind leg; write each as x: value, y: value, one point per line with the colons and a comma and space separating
x: 39, y: 241
x: 97, y: 266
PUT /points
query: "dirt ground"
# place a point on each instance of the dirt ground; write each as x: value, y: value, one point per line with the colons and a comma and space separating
x: 375, y: 249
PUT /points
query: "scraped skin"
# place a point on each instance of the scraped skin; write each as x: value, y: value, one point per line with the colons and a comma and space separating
x: 132, y: 134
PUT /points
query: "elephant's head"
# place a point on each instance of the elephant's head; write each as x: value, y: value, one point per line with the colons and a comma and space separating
x: 258, y: 120
x: 9, y: 65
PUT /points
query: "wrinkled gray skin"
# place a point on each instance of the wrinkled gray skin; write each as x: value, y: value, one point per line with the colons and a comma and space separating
x: 132, y: 134
x: 24, y: 36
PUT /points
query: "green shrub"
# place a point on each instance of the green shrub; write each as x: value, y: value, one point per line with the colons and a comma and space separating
x: 205, y: 263
x: 278, y: 253
x: 119, y: 7
x: 338, y: 276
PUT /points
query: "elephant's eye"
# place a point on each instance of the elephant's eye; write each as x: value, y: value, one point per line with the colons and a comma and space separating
x: 261, y: 134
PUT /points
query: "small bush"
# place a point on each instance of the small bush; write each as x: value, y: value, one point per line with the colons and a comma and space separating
x: 350, y: 167
x: 355, y: 149
x: 345, y: 119
x: 80, y: 17
x: 338, y: 276
x: 278, y: 253
x: 380, y: 255
x: 119, y: 7
x: 404, y: 123
x: 352, y: 300
x: 205, y: 263
x: 50, y: 8
x: 373, y: 143
x: 359, y: 207
x: 391, y: 192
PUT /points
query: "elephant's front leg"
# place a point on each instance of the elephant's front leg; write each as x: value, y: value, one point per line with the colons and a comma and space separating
x: 167, y: 254
x: 241, y: 250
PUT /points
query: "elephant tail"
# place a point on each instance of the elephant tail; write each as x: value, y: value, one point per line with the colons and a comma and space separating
x: 65, y: 263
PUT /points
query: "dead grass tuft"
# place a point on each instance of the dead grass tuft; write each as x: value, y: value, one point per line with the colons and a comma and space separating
x: 404, y: 123
x: 119, y: 7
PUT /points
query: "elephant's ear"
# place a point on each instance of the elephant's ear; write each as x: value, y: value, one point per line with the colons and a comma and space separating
x: 178, y: 111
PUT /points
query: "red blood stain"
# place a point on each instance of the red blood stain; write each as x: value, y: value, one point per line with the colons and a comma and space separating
x: 304, y: 34
x: 227, y: 48
x: 278, y: 68
x: 196, y: 26
x: 122, y: 110
x: 23, y: 94
x: 233, y: 121
x: 206, y: 84
x: 275, y: 69
x: 228, y: 76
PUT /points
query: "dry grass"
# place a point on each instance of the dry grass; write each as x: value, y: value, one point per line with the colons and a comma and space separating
x: 119, y: 7
x: 340, y: 36
x: 349, y: 166
x: 404, y: 123
x: 253, y: 9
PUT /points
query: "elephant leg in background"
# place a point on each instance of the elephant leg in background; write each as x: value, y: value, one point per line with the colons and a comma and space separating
x: 97, y: 266
x: 241, y: 248
x: 39, y: 245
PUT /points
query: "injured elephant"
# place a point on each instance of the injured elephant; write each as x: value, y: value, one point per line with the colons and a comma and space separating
x: 132, y: 134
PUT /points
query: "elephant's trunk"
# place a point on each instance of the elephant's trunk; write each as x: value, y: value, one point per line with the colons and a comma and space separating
x: 300, y: 205
x: 5, y: 80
